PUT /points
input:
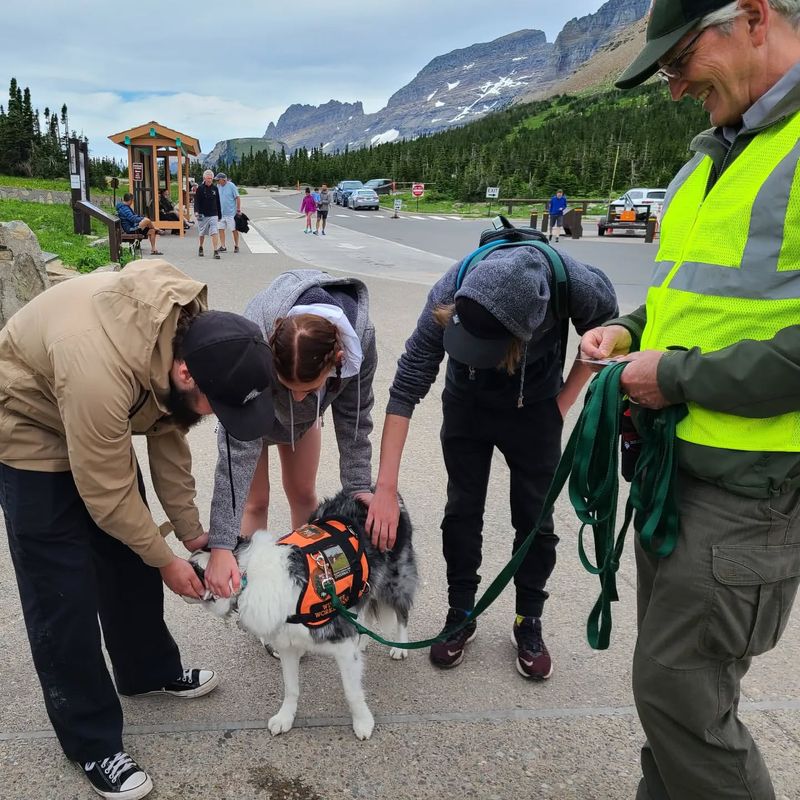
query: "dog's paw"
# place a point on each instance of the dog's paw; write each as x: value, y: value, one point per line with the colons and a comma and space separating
x: 281, y: 723
x: 398, y: 654
x: 363, y: 725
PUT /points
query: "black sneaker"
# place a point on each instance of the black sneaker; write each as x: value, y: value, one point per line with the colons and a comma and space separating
x: 193, y: 683
x: 216, y: 254
x: 451, y: 652
x: 118, y: 776
x: 222, y: 250
x: 235, y: 249
x: 533, y: 661
x: 200, y: 251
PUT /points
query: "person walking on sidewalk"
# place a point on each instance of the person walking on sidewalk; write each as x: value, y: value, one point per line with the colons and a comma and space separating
x: 557, y: 207
x: 503, y: 390
x: 231, y: 207
x: 325, y: 356
x: 87, y: 365
x: 308, y: 207
x: 208, y: 210
x: 323, y: 205
x: 719, y: 334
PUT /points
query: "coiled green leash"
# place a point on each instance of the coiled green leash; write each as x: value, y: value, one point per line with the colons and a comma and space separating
x: 591, y: 461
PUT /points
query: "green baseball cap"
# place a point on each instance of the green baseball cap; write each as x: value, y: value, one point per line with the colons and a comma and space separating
x: 670, y: 21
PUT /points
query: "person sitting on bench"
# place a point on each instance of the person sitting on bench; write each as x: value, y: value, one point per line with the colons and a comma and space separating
x: 167, y: 212
x: 134, y: 223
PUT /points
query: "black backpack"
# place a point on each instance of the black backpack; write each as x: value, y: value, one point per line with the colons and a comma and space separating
x: 503, y: 234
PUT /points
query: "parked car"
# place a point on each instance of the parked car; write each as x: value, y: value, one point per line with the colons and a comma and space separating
x: 342, y: 191
x: 380, y: 185
x: 363, y: 198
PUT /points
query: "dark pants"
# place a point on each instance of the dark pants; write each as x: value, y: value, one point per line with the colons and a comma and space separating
x: 69, y: 572
x: 530, y: 440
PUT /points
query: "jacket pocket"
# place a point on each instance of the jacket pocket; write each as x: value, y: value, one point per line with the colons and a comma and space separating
x: 753, y: 592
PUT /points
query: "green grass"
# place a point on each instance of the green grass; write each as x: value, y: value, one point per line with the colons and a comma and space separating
x: 435, y: 205
x: 53, y: 227
x: 48, y: 184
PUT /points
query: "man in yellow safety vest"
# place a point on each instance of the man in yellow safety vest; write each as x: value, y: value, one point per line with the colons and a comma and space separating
x: 720, y: 332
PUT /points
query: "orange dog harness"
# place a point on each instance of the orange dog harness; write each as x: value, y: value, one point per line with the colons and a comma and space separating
x: 335, y: 563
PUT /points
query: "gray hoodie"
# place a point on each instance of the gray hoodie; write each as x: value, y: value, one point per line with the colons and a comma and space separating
x: 351, y: 405
x: 513, y: 285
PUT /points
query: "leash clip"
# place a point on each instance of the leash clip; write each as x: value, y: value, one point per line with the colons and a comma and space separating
x: 327, y: 583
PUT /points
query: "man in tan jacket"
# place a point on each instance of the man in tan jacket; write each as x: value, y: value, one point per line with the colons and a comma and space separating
x: 83, y: 367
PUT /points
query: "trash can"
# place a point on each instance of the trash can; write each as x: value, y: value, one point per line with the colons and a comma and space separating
x: 573, y: 223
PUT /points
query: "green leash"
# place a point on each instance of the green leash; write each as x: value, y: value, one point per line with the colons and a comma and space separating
x: 590, y: 461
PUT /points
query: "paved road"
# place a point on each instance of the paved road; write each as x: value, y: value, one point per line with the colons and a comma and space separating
x: 479, y: 731
x: 627, y: 260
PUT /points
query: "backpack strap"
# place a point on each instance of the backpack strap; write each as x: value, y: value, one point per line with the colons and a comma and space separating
x: 559, y: 285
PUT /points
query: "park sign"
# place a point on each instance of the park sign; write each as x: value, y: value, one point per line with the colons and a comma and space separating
x: 417, y: 189
x: 138, y: 171
x: 492, y: 192
x: 398, y: 204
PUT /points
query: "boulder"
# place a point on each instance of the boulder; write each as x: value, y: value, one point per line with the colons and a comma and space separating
x: 22, y: 271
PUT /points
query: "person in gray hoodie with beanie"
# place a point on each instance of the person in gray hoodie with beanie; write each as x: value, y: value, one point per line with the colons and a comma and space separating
x: 504, y: 390
x: 324, y: 355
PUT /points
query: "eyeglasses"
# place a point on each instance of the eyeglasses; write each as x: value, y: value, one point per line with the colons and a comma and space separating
x: 673, y: 69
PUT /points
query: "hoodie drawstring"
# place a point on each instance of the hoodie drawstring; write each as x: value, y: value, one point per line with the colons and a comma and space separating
x: 230, y: 472
x: 291, y: 416
x: 521, y: 399
x: 358, y: 404
x: 318, y: 421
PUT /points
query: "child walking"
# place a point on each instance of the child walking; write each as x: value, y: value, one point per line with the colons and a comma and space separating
x: 308, y: 207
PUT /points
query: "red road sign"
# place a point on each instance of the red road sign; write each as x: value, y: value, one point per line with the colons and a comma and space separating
x: 418, y: 189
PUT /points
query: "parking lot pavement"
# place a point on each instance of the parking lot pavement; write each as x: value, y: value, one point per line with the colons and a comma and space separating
x: 478, y: 731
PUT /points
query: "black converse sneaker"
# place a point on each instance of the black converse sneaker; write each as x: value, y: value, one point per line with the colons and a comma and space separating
x: 118, y: 776
x: 193, y: 683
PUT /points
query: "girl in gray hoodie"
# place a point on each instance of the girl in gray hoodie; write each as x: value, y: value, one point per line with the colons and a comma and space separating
x: 324, y: 356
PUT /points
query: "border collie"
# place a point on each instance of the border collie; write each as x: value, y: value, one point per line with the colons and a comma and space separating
x: 276, y: 575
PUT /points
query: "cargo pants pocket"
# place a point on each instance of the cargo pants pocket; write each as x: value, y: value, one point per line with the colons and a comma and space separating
x: 754, y: 589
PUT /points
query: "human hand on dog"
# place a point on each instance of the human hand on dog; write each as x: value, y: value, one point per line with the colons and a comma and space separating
x: 382, y: 518
x: 181, y: 578
x: 222, y: 573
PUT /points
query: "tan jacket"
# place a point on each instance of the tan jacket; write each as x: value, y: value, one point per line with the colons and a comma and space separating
x: 83, y: 367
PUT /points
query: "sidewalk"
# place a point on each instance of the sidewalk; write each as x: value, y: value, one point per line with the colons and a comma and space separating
x: 479, y: 731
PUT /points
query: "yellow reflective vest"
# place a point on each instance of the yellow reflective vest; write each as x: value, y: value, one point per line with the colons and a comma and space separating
x: 728, y: 269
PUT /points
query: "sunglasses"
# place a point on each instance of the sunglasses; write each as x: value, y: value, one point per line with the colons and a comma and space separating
x: 673, y: 69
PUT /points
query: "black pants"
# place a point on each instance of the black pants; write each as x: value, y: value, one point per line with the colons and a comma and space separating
x: 530, y: 440
x: 69, y: 572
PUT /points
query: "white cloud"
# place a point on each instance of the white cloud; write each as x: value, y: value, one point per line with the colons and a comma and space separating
x: 222, y: 72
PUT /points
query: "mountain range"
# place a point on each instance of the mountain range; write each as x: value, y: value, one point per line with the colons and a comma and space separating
x: 456, y: 88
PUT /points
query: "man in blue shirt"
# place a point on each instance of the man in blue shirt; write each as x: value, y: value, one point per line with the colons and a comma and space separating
x: 558, y: 205
x: 135, y: 223
x: 231, y: 207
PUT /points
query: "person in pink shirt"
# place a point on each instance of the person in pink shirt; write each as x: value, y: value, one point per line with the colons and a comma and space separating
x: 308, y: 207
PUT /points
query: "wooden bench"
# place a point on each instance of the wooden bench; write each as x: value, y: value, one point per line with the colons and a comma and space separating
x: 133, y: 242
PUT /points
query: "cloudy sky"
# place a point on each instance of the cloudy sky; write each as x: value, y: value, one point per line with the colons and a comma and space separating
x: 226, y: 69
